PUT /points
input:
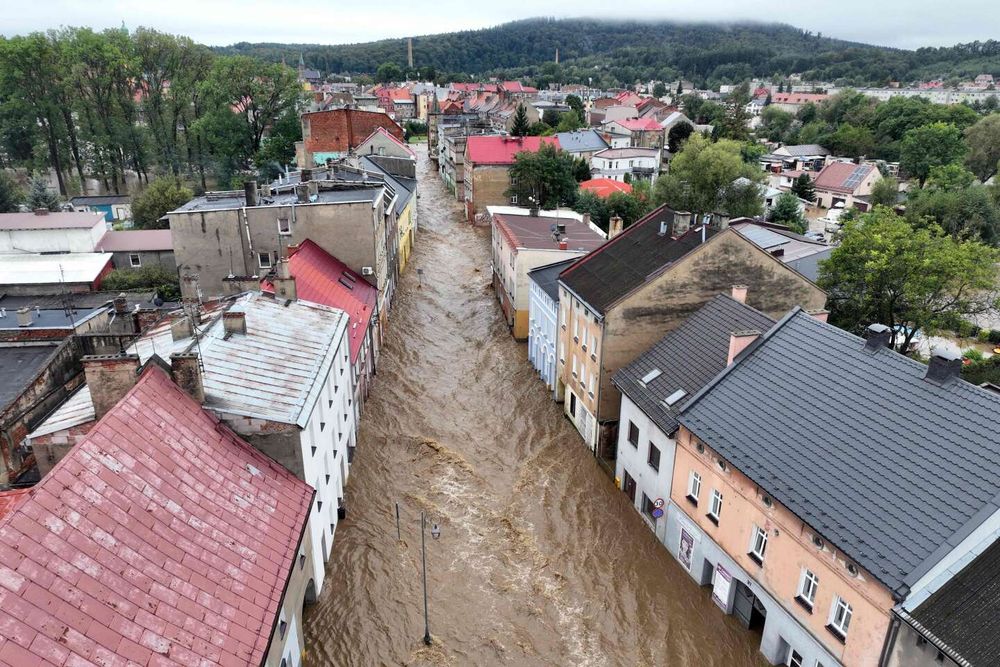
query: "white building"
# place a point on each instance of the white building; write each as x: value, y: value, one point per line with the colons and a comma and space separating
x: 543, y: 320
x: 626, y: 164
x: 658, y: 383
x: 46, y: 231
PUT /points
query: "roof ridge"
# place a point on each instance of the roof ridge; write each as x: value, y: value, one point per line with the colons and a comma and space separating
x: 607, y: 244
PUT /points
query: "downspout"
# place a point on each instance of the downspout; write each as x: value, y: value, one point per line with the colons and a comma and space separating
x: 246, y: 228
x: 890, y: 640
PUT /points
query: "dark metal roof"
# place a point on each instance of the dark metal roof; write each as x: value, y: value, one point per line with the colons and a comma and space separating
x: 965, y: 612
x: 99, y: 200
x: 626, y: 261
x: 884, y: 464
x: 547, y: 277
x: 687, y: 358
x: 18, y: 365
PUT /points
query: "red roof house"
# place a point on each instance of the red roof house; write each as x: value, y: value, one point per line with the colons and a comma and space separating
x: 604, y: 187
x: 161, y: 538
x: 501, y: 150
x: 842, y: 182
x: 332, y: 133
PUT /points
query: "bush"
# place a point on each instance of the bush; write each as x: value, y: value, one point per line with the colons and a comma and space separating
x: 148, y: 277
x: 162, y: 195
x: 987, y: 370
x: 973, y: 354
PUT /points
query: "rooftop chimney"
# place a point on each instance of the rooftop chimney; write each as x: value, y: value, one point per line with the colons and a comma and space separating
x: 877, y: 336
x: 284, y: 281
x: 181, y: 329
x: 120, y: 303
x: 302, y: 193
x: 41, y: 211
x: 234, y: 322
x: 819, y: 314
x: 563, y: 244
x: 24, y: 318
x: 110, y: 377
x: 186, y: 373
x: 944, y: 367
x: 250, y: 190
x: 305, y: 175
x: 739, y: 341
x: 682, y: 222
x: 615, y: 226
x: 740, y: 293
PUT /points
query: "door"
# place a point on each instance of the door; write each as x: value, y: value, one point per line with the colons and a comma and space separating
x: 628, y: 486
x: 572, y: 405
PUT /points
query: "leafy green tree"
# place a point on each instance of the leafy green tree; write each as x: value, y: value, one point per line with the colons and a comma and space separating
x: 743, y: 198
x: 546, y: 176
x: 733, y: 123
x: 388, y: 72
x: 929, y: 146
x: 803, y: 188
x: 786, y: 212
x: 550, y: 117
x: 887, y: 271
x: 775, y: 124
x: 951, y: 201
x: 983, y: 140
x: 581, y: 169
x: 568, y: 122
x: 628, y: 206
x: 659, y: 89
x: 852, y: 141
x: 157, y: 278
x: 885, y: 192
x: 278, y: 149
x: 677, y: 135
x: 576, y: 104
x: 10, y: 194
x: 539, y: 129
x: 520, y: 127
x: 589, y: 202
x: 164, y: 194
x: 40, y: 197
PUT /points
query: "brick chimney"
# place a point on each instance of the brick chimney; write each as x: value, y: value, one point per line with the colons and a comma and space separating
x: 24, y: 317
x: 181, y: 329
x: 739, y: 341
x: 945, y: 366
x: 739, y: 293
x: 41, y: 211
x: 250, y: 192
x: 121, y: 304
x: 819, y: 314
x: 110, y: 377
x: 615, y: 226
x: 185, y: 370
x: 563, y: 244
x: 234, y: 322
x: 284, y: 281
x: 682, y: 223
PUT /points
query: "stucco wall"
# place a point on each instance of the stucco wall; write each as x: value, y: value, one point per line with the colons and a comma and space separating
x: 489, y: 183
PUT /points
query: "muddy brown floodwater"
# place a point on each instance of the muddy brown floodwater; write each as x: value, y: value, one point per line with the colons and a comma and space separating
x: 541, y: 560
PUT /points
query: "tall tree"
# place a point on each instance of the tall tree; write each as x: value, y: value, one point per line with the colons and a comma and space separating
x: 521, y: 125
x: 160, y: 197
x: 677, y: 135
x: 10, y: 194
x: 40, y: 197
x: 952, y: 201
x: 929, y: 146
x: 803, y: 188
x: 545, y: 176
x: 983, y: 140
x: 786, y: 212
x: 885, y: 192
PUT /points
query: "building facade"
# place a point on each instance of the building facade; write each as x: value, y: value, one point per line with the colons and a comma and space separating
x: 543, y: 320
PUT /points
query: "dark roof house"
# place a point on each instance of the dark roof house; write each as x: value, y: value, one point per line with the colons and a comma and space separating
x: 547, y: 277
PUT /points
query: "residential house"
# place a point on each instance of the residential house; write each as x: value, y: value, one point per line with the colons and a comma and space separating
x: 799, y: 252
x: 581, y: 143
x: 797, y: 158
x: 487, y: 163
x: 626, y: 164
x: 658, y: 383
x: 383, y: 142
x: 605, y: 187
x: 643, y: 132
x: 643, y: 283
x: 524, y: 240
x: 152, y: 537
x: 399, y: 175
x: 43, y: 231
x: 320, y: 277
x: 792, y: 102
x: 842, y: 182
x: 116, y: 208
x: 847, y: 481
x: 333, y: 133
x: 398, y: 103
x: 543, y: 320
x: 136, y: 248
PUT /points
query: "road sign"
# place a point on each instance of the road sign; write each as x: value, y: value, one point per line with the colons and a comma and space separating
x: 657, y: 513
x: 658, y: 503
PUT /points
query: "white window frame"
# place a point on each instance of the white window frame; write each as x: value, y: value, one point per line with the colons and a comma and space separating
x: 694, y: 486
x: 286, y: 229
x: 790, y: 662
x: 808, y: 586
x: 135, y: 260
x: 842, y: 608
x: 261, y: 264
x: 513, y: 199
x: 758, y: 542
x: 715, y: 506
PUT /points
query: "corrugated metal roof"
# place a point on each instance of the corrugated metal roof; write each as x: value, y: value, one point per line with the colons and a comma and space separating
x: 77, y: 409
x: 50, y: 220
x: 77, y: 267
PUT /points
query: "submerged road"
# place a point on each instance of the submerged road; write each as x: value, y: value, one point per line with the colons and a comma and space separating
x: 541, y: 560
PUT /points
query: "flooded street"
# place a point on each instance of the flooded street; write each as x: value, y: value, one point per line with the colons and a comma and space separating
x: 541, y: 560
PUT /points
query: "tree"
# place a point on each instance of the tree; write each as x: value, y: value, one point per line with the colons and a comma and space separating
x: 803, y: 188
x: 680, y: 88
x: 928, y: 146
x: 628, y: 206
x: 677, y: 135
x: 887, y: 271
x: 550, y: 117
x: 161, y: 196
x: 545, y: 176
x: 852, y: 141
x: 659, y: 89
x: 743, y: 198
x: 10, y: 194
x: 388, y: 73
x: 155, y: 277
x: 589, y: 202
x: 885, y: 192
x: 520, y: 127
x: 278, y: 148
x: 786, y: 212
x: 955, y: 204
x: 733, y: 124
x: 40, y: 197
x: 775, y: 123
x: 983, y: 140
x: 576, y: 104
x: 581, y: 169
x: 568, y: 122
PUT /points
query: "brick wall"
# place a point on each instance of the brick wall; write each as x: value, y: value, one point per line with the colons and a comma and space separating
x: 340, y: 129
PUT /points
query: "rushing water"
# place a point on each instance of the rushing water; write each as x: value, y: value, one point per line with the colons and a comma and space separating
x: 541, y: 561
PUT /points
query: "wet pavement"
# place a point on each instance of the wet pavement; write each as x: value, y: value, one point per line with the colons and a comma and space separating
x: 541, y: 560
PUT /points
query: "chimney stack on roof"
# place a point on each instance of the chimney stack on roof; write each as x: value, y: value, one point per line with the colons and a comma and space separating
x: 181, y: 329
x: 305, y: 175
x: 41, y: 211
x: 185, y: 369
x: 682, y: 222
x: 877, y: 336
x: 302, y: 193
x: 110, y: 377
x: 739, y: 341
x: 284, y: 281
x: 615, y: 226
x: 563, y: 244
x: 121, y: 304
x: 945, y: 366
x: 819, y: 314
x: 739, y: 293
x: 250, y: 192
x: 234, y: 322
x: 24, y: 318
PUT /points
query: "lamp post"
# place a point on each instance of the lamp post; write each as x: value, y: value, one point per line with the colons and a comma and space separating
x: 435, y: 533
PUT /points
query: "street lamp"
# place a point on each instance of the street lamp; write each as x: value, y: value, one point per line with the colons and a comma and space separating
x: 435, y: 533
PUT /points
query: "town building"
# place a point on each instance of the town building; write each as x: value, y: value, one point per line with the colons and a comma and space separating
x: 399, y: 176
x: 523, y: 240
x: 627, y: 165
x: 800, y: 253
x: 658, y: 383
x: 643, y: 283
x: 487, y: 163
x: 643, y: 132
x: 843, y: 182
x: 332, y: 134
x: 138, y: 248
x: 543, y: 320
x: 825, y: 486
x: 581, y: 143
x: 792, y: 102
x: 116, y: 208
x: 53, y: 274
x: 161, y: 538
x: 382, y: 142
x: 44, y: 231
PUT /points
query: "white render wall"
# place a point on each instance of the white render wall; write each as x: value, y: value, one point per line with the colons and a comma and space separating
x: 655, y: 484
x: 53, y: 240
x: 543, y: 334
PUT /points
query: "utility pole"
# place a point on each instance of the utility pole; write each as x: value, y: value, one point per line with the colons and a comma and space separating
x: 423, y: 557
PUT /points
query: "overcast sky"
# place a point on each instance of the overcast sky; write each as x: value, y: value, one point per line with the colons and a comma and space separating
x: 901, y: 23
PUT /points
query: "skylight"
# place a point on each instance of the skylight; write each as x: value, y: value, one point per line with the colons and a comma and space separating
x: 650, y: 376
x: 674, y: 397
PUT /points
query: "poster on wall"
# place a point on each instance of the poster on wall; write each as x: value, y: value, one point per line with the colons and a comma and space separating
x: 720, y: 591
x: 687, y: 545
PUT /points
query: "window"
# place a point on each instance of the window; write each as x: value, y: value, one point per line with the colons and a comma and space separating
x: 653, y: 458
x: 513, y: 199
x: 302, y: 560
x: 284, y: 227
x: 633, y: 434
x: 694, y: 487
x: 322, y: 426
x: 648, y: 507
x: 134, y: 260
x: 282, y: 626
x: 715, y: 507
x: 264, y: 260
x: 808, y: 585
x: 840, y: 618
x: 794, y: 658
x: 758, y: 544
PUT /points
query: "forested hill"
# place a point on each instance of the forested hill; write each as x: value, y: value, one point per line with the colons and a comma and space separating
x: 613, y: 52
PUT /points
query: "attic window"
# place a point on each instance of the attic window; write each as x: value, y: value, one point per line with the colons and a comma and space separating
x: 650, y: 376
x: 284, y: 226
x: 674, y: 397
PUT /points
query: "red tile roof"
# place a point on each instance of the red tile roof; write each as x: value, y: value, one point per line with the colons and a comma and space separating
x: 534, y: 232
x: 322, y: 278
x: 501, y: 150
x: 518, y: 87
x: 798, y: 98
x: 161, y: 538
x: 639, y: 124
x: 603, y: 187
x: 136, y: 240
x: 10, y: 500
x: 842, y: 177
x: 389, y: 135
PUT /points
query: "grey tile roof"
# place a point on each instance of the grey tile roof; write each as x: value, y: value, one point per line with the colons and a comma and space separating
x: 580, y: 141
x: 965, y: 612
x: 884, y: 464
x: 688, y: 358
x: 547, y: 277
x: 18, y: 365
